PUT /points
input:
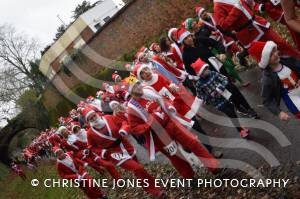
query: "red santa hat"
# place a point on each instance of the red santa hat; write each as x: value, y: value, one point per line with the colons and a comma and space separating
x: 60, y: 129
x: 199, y: 10
x: 152, y: 46
x: 182, y: 33
x: 141, y: 52
x: 99, y: 93
x: 56, y: 149
x: 87, y: 112
x: 199, y: 66
x: 261, y: 51
x: 173, y: 33
x: 138, y: 69
x: 115, y: 76
x: 90, y: 99
x: 112, y: 103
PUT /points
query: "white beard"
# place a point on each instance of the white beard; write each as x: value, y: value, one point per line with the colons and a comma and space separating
x: 99, y: 123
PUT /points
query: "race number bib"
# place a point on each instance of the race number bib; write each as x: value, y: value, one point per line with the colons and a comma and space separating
x: 166, y: 93
x: 171, y: 148
x: 119, y: 156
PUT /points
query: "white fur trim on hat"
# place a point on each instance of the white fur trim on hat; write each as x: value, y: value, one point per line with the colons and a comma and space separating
x: 170, y: 32
x: 203, y: 68
x: 183, y: 36
x: 112, y: 103
x: 59, y: 130
x: 266, y: 53
x: 143, y: 66
x: 200, y: 12
x: 89, y: 113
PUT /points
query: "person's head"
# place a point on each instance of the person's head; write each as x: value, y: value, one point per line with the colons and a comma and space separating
x: 172, y: 34
x: 201, y: 12
x: 189, y: 41
x: 185, y: 37
x: 116, y: 77
x: 60, y: 154
x: 205, y: 73
x: 95, y: 121
x: 165, y: 44
x: 204, y: 15
x: 201, y: 68
x: 143, y: 55
x: 137, y: 90
x: 274, y: 57
x: 63, y: 131
x: 146, y: 74
x: 155, y: 48
x: 76, y: 129
x: 265, y: 53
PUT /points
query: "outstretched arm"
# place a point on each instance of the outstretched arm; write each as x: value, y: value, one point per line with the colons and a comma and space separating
x: 290, y: 14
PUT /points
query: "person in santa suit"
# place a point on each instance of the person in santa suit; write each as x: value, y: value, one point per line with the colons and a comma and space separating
x: 69, y: 167
x: 208, y: 20
x: 186, y: 104
x: 18, y: 170
x: 215, y: 90
x: 274, y: 10
x: 281, y: 79
x: 228, y: 39
x: 238, y: 16
x: 107, y: 138
x: 290, y: 15
x: 226, y: 58
x: 161, y: 65
x: 199, y: 47
x: 148, y: 115
x: 79, y: 139
x: 168, y: 50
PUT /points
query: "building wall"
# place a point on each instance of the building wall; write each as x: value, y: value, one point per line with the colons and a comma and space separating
x: 141, y: 20
x: 107, y: 8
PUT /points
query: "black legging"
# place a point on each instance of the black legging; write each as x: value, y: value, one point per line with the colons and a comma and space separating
x: 237, y: 98
x: 202, y: 134
x: 229, y: 110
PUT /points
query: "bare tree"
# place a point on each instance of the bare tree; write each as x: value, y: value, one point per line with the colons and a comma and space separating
x: 18, y: 65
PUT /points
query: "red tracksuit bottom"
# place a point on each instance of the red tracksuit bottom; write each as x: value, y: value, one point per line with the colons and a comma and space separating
x: 141, y: 173
x: 283, y: 46
x: 190, y: 142
x: 108, y: 166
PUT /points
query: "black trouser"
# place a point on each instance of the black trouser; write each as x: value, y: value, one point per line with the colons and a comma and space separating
x: 228, y: 109
x: 190, y: 85
x: 237, y: 98
x: 202, y: 134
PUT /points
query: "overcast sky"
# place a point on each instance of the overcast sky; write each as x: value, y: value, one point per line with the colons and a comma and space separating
x: 37, y: 18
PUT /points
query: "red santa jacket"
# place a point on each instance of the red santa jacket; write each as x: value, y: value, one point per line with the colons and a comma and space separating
x: 142, y: 113
x: 226, y: 40
x: 236, y: 15
x: 273, y: 10
x: 176, y: 55
x: 109, y: 140
x: 186, y: 104
x: 70, y: 167
x: 179, y: 74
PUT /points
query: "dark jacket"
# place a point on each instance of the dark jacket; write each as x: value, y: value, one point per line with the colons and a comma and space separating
x: 272, y: 87
x: 202, y: 49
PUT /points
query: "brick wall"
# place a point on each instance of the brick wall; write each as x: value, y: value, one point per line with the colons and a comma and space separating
x: 141, y: 20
